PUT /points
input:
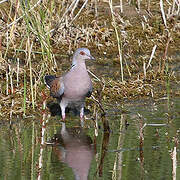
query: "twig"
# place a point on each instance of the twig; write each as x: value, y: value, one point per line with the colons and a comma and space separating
x: 3, y: 1
x: 73, y: 4
x: 7, y: 82
x: 152, y: 54
x: 121, y: 6
x: 79, y: 12
x: 76, y: 3
x: 17, y: 75
x: 99, y: 103
x: 139, y: 5
x: 167, y: 45
x: 93, y: 75
x: 163, y: 14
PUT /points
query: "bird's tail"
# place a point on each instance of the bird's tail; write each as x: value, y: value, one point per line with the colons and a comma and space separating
x: 48, y: 79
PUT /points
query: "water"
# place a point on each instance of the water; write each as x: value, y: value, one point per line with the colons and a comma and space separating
x: 119, y: 153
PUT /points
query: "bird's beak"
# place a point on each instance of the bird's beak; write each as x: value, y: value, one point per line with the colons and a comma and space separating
x: 91, y: 57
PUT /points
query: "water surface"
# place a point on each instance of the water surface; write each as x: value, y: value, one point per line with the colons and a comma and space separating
x: 117, y: 152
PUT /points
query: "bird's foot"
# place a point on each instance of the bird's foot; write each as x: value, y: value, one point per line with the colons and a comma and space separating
x: 63, y: 118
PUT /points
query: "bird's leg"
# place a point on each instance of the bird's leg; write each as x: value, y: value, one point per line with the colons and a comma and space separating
x: 63, y: 106
x: 82, y: 116
x: 82, y: 113
x: 63, y: 113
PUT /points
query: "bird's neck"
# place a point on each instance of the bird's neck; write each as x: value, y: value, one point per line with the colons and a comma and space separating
x: 77, y: 64
x: 74, y: 60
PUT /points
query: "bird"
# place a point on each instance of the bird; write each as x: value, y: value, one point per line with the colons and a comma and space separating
x: 74, y: 86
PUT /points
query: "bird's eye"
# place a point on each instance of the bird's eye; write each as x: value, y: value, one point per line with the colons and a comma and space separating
x: 82, y: 53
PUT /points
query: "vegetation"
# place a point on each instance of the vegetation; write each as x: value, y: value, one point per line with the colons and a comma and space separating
x: 37, y: 37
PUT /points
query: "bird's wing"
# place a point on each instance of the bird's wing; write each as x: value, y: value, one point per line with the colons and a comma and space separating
x: 56, y: 85
x: 90, y: 91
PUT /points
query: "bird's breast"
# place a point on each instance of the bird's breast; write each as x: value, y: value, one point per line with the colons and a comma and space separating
x: 77, y: 85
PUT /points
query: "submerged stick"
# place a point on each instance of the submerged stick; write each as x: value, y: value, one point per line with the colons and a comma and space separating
x: 174, y: 163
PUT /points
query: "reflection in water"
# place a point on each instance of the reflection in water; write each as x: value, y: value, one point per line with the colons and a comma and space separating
x: 105, y: 143
x: 74, y: 147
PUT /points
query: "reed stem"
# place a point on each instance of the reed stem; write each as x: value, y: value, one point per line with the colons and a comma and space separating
x: 119, y: 43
